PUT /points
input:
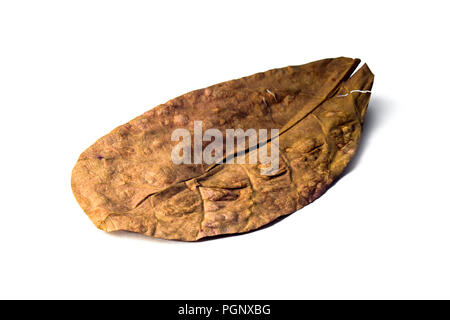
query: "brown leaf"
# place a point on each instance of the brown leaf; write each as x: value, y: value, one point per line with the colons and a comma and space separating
x: 127, y: 180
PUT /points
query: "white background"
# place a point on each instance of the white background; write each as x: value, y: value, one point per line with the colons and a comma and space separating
x: 71, y: 71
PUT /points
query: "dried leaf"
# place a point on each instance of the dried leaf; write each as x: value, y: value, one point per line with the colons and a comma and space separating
x: 128, y: 181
